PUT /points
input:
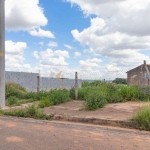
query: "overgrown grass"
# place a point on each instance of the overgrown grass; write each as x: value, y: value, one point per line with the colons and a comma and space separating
x: 17, y: 95
x: 27, y: 112
x: 13, y: 89
x: 105, y: 92
x: 143, y: 117
x: 54, y: 97
x: 94, y: 101
x: 111, y: 93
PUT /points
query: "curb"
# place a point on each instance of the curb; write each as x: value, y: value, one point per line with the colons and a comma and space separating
x: 96, y: 121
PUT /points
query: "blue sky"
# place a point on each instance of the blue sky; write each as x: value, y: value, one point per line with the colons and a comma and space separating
x: 95, y: 38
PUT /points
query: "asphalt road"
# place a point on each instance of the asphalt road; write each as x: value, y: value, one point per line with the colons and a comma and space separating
x: 30, y: 134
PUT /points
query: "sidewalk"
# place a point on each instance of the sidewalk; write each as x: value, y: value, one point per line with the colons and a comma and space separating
x: 117, y: 114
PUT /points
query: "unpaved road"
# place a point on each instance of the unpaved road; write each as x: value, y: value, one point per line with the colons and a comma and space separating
x: 30, y: 134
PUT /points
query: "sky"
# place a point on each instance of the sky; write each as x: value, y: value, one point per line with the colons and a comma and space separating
x: 100, y: 39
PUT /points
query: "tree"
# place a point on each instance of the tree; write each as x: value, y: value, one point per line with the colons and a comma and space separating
x: 120, y: 81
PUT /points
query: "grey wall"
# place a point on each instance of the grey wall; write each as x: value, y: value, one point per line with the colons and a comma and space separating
x: 30, y: 82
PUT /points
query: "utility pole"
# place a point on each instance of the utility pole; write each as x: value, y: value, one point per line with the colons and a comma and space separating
x: 2, y: 53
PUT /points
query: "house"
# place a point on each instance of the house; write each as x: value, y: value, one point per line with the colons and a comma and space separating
x: 139, y: 75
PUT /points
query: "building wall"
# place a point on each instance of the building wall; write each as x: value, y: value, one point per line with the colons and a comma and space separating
x: 136, y: 76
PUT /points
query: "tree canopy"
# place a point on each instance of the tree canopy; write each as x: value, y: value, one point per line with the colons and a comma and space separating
x: 120, y: 81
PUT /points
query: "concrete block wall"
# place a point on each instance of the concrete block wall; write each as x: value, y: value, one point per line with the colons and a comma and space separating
x: 30, y: 81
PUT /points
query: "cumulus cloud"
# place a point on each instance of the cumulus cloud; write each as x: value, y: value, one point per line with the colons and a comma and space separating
x: 42, y: 33
x: 77, y: 54
x: 52, y: 44
x: 52, y: 58
x: 120, y: 31
x: 89, y: 63
x: 14, y: 54
x: 24, y: 15
x: 121, y: 48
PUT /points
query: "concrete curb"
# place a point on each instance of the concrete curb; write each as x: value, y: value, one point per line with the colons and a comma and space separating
x: 97, y: 121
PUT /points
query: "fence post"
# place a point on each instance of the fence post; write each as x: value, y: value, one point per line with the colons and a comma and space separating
x: 76, y: 86
x: 38, y: 83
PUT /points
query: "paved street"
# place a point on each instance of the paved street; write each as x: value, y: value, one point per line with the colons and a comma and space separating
x: 29, y: 134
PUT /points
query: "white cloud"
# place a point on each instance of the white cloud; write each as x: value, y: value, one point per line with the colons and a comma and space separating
x: 68, y: 46
x: 123, y: 49
x: 42, y: 33
x: 89, y: 63
x: 36, y: 54
x: 52, y: 44
x: 120, y: 31
x: 77, y: 54
x: 24, y: 15
x: 14, y: 57
x: 49, y: 57
x: 41, y: 43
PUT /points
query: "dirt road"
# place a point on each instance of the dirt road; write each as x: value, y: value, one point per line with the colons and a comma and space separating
x: 29, y: 134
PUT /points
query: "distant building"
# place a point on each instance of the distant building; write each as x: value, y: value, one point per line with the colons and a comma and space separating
x: 139, y: 75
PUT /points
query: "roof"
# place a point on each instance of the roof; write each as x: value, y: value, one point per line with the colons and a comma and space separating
x: 137, y: 67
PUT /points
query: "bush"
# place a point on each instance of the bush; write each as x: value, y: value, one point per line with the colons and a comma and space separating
x: 120, y: 81
x: 45, y: 102
x: 12, y: 100
x: 59, y: 96
x: 143, y: 117
x: 28, y: 112
x: 94, y: 101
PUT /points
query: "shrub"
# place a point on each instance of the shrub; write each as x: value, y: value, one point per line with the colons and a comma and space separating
x: 12, y: 100
x: 94, y: 101
x: 143, y: 117
x: 59, y: 96
x: 29, y: 112
x: 45, y: 102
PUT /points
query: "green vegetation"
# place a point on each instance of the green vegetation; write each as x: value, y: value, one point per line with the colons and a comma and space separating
x: 96, y: 94
x: 17, y: 95
x: 28, y: 112
x: 95, y: 100
x: 54, y: 97
x: 120, y: 81
x: 143, y: 117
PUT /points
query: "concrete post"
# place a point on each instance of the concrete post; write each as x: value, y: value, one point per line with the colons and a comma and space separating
x: 2, y: 53
x: 76, y: 86
x: 38, y: 83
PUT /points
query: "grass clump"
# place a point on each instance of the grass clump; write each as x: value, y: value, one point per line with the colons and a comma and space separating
x: 143, y: 117
x: 28, y: 112
x: 94, y: 101
x: 54, y: 97
x: 59, y: 96
x: 45, y: 102
x: 12, y: 101
x: 13, y: 89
